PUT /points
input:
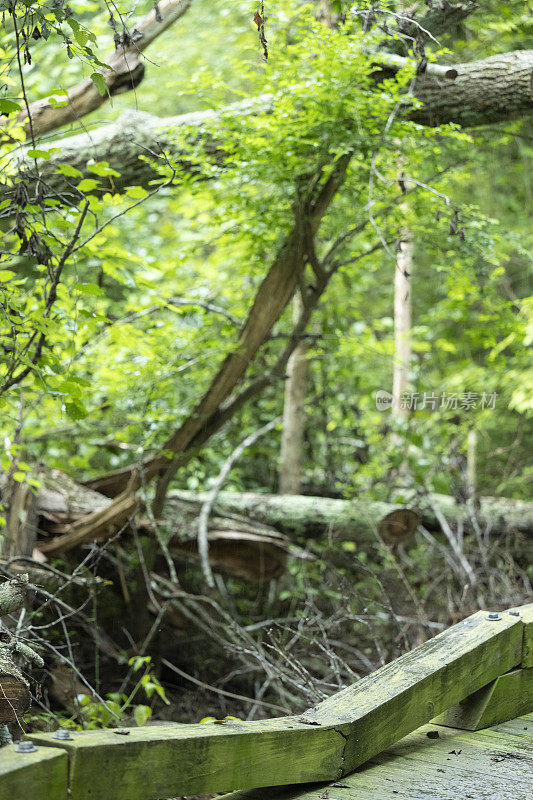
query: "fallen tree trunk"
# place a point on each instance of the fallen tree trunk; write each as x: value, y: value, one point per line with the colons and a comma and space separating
x: 483, y: 92
x: 360, y: 519
x: 74, y: 515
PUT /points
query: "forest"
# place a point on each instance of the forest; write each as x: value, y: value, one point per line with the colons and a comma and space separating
x: 266, y: 385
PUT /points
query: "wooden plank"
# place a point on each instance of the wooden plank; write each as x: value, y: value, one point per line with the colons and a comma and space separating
x: 169, y: 760
x: 526, y: 614
x: 326, y: 742
x: 458, y: 764
x: 41, y: 775
x: 398, y: 698
x: 507, y: 697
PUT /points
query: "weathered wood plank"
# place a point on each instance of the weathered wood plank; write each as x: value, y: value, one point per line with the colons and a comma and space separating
x: 169, y: 760
x: 526, y: 614
x: 41, y: 775
x: 457, y: 764
x: 326, y: 742
x: 507, y: 697
x: 398, y: 698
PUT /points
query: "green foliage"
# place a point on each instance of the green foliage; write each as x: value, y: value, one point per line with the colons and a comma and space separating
x: 131, y: 342
x: 117, y: 709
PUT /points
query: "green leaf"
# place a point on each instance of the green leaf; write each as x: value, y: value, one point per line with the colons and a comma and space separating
x: 76, y: 410
x: 70, y: 172
x: 103, y: 168
x: 38, y: 154
x: 141, y: 714
x: 87, y: 184
x: 8, y: 106
x: 99, y: 81
x: 137, y: 192
x: 88, y: 288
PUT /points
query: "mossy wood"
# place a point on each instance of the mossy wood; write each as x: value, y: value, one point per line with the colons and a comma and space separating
x: 324, y: 744
x: 526, y: 614
x: 41, y: 775
x: 393, y: 701
x: 508, y: 696
x: 169, y: 760
x: 494, y: 764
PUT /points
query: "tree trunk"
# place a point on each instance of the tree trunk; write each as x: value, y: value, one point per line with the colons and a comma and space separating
x: 495, y: 89
x: 402, y: 325
x: 471, y: 464
x: 487, y: 91
x: 358, y: 520
x: 18, y: 537
x: 292, y: 437
x: 14, y: 689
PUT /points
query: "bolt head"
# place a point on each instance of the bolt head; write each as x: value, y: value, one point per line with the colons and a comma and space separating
x: 63, y: 734
x: 514, y: 613
x: 25, y: 746
x: 493, y: 616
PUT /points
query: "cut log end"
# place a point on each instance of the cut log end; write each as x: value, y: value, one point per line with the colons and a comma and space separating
x: 399, y: 526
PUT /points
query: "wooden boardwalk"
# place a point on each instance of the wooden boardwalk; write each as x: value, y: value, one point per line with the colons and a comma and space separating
x: 365, y: 741
x: 492, y: 764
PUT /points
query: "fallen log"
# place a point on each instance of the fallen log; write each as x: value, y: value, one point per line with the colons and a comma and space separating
x: 360, y: 519
x: 73, y: 514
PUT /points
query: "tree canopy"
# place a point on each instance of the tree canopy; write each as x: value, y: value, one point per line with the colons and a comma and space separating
x: 175, y: 175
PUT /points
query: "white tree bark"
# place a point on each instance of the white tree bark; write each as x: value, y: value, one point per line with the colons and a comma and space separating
x: 292, y: 437
x: 402, y: 324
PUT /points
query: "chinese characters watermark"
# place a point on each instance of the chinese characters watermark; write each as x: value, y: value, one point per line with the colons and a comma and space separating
x: 443, y: 400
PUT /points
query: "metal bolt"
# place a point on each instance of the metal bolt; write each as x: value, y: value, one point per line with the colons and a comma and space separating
x: 514, y: 613
x: 63, y: 734
x: 493, y: 616
x: 26, y: 746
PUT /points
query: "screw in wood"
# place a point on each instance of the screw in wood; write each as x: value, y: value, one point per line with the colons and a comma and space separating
x: 493, y: 616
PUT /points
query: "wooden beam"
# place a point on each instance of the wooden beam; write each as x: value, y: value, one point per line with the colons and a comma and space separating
x: 325, y: 743
x: 41, y: 775
x: 507, y: 697
x: 526, y: 614
x: 488, y: 765
x: 170, y: 760
x: 388, y: 704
